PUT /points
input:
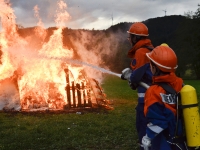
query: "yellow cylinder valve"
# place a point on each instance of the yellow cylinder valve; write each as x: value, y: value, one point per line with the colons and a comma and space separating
x: 191, y: 115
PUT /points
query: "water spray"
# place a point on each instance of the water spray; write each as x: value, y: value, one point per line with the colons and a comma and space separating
x: 93, y: 66
x: 102, y: 70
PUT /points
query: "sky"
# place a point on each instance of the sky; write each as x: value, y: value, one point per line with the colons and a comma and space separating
x: 99, y: 14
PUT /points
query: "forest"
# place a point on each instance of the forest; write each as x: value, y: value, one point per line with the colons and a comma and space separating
x: 181, y: 33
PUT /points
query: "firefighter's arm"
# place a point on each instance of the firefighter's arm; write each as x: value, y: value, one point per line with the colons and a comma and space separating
x: 140, y: 65
x: 157, y: 120
x: 138, y: 73
x: 136, y: 76
x: 157, y: 123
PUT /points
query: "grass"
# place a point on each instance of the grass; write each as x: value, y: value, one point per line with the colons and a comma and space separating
x: 104, y: 130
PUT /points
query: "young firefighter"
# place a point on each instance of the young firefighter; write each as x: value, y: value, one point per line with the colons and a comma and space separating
x: 140, y: 70
x: 160, y: 107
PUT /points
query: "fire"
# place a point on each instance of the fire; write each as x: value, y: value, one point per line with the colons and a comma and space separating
x: 33, y: 78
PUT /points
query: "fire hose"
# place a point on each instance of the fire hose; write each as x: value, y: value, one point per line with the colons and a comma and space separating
x: 140, y: 83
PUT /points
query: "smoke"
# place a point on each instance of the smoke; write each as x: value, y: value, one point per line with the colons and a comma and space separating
x: 93, y: 47
x: 9, y: 96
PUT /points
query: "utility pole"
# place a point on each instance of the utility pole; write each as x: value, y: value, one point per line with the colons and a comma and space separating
x: 165, y: 11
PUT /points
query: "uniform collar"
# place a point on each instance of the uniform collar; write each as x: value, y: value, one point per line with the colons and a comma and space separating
x: 165, y: 78
x: 139, y: 44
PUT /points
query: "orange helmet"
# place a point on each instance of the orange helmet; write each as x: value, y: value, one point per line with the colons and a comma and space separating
x: 138, y: 28
x: 164, y: 58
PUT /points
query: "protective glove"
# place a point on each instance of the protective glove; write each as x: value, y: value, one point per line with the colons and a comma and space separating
x: 146, y: 142
x: 126, y: 73
x: 132, y: 85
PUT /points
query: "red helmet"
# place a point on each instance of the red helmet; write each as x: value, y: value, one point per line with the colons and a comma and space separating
x: 164, y: 58
x: 138, y: 28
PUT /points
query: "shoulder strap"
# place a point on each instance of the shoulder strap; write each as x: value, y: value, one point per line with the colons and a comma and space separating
x: 167, y: 87
x: 170, y: 90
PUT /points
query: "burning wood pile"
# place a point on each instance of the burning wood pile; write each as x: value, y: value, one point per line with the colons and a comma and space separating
x: 80, y: 96
x: 38, y: 78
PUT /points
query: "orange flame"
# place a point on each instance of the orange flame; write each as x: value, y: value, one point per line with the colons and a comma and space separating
x: 41, y: 80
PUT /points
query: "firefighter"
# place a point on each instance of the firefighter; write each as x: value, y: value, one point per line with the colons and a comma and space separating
x: 160, y: 107
x: 139, y: 70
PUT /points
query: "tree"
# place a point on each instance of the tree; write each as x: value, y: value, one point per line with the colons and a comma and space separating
x: 195, y: 42
x: 189, y: 14
x: 187, y: 43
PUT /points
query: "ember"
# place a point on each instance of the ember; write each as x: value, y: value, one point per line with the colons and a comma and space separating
x: 33, y: 80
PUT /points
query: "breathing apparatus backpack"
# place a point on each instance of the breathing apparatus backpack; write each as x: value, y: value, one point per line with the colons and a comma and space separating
x: 187, y: 116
